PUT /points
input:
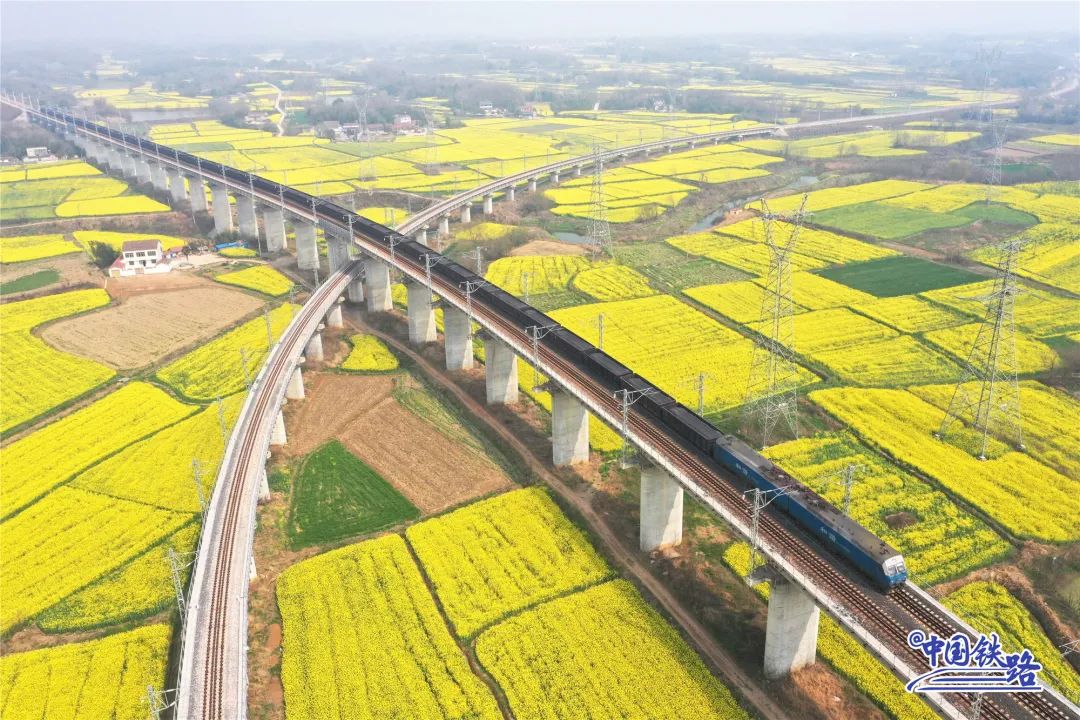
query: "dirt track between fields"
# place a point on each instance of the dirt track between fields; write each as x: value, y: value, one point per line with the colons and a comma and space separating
x: 626, y: 558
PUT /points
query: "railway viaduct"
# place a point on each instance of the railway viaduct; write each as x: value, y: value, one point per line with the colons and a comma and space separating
x: 805, y: 579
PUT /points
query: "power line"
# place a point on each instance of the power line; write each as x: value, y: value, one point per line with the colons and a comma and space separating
x: 771, y: 393
x: 991, y: 365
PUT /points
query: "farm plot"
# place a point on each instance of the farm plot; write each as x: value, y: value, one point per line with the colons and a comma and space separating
x: 168, y: 457
x: 369, y: 354
x: 1015, y: 490
x: 40, y: 461
x: 742, y: 301
x: 145, y: 328
x: 47, y: 378
x: 910, y: 313
x: 819, y: 200
x: 1066, y: 139
x: 939, y: 541
x: 497, y: 556
x: 535, y: 275
x: 950, y: 198
x: 1032, y: 356
x: 116, y: 240
x: 582, y: 655
x: 104, y: 678
x: 336, y: 495
x: 261, y: 278
x: 217, y: 368
x: 1051, y: 208
x: 1037, y: 312
x: 24, y: 248
x: 364, y: 639
x: 47, y: 171
x: 672, y: 270
x: 820, y: 244
x: 750, y: 257
x: 68, y: 539
x: 990, y: 608
x: 886, y: 221
x: 900, y: 275
x: 848, y: 656
x: 1051, y: 422
x: 612, y: 282
x: 1050, y: 254
x: 137, y: 589
x: 456, y: 466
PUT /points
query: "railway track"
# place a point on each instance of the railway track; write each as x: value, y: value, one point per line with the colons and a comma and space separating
x: 219, y: 588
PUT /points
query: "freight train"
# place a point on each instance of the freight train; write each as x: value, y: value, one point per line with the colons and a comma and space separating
x: 837, y: 532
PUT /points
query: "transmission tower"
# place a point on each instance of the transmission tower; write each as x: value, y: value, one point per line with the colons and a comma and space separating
x: 599, y: 232
x: 993, y: 405
x: 997, y: 130
x: 771, y: 392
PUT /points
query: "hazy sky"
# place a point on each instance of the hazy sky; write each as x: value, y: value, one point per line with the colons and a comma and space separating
x: 245, y: 22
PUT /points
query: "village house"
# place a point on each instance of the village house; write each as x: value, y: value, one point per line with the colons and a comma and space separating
x: 139, y: 257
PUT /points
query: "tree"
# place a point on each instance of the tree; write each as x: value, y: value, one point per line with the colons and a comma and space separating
x: 103, y: 254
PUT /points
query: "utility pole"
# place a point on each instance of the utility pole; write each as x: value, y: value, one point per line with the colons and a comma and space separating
x: 771, y: 393
x: 759, y: 500
x: 469, y: 287
x: 627, y: 398
x: 196, y: 472
x: 991, y: 366
x: 525, y: 286
x: 269, y: 329
x: 244, y: 364
x: 221, y: 421
x: 599, y: 230
x: 536, y: 333
x: 600, y: 329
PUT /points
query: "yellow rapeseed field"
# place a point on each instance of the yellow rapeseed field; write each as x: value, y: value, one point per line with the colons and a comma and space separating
x: 261, y: 278
x: 849, y: 195
x: 540, y: 274
x: 612, y: 282
x: 1070, y: 139
x: 1039, y: 313
x: 1031, y: 355
x: 1050, y: 254
x: 24, y: 248
x: 104, y: 678
x: 116, y: 240
x: 362, y: 638
x: 369, y: 354
x: 125, y: 205
x: 497, y: 556
x: 1026, y: 497
x: 600, y: 653
x: 821, y: 244
x: 947, y: 198
x: 47, y: 171
x: 910, y: 313
x: 752, y: 257
x: 238, y: 252
x: 216, y: 369
x: 40, y: 461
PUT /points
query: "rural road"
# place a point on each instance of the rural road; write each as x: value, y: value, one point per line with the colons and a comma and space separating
x: 628, y: 559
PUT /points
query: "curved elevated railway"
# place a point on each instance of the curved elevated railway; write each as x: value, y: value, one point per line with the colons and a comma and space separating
x: 212, y: 680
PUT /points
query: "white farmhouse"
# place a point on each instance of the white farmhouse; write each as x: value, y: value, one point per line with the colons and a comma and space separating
x: 140, y: 257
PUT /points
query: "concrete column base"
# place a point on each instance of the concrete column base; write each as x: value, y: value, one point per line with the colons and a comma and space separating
x: 489, y: 204
x: 569, y: 429
x: 791, y: 630
x: 142, y: 170
x: 421, y: 314
x: 459, y: 349
x: 466, y: 214
x: 337, y: 252
x: 510, y: 193
x: 555, y: 178
x: 421, y: 236
x: 377, y: 285
x: 277, y: 436
x: 661, y: 509
x: 532, y: 184
x: 355, y: 291
x: 333, y: 318
x: 274, y: 226
x: 177, y: 190
x: 314, y: 349
x: 500, y: 373
x: 158, y: 178
x: 444, y: 226
x: 223, y: 222
x: 307, y: 250
x: 245, y: 216
x: 577, y: 171
x: 264, y: 488
x: 197, y: 194
x: 295, y: 389
x: 131, y: 168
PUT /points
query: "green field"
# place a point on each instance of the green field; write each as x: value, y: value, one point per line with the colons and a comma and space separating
x: 900, y: 275
x: 888, y: 222
x: 671, y: 270
x: 33, y: 281
x: 338, y: 496
x: 995, y: 212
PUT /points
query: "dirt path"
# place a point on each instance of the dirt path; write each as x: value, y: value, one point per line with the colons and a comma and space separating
x: 628, y: 560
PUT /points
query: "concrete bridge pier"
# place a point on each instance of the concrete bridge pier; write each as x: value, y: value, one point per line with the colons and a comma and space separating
x: 555, y: 178
x: 177, y: 191
x: 264, y: 490
x: 577, y: 171
x: 661, y: 509
x: 466, y: 213
x: 337, y: 252
x: 277, y: 435
x: 500, y: 373
x: 307, y: 250
x: 295, y: 389
x: 489, y: 204
x: 421, y: 314
x: 219, y: 196
x: 333, y: 317
x: 197, y: 193
x: 131, y: 168
x: 444, y: 226
x: 142, y: 170
x: 569, y: 429
x: 532, y: 184
x: 116, y: 160
x: 510, y: 193
x: 791, y: 630
x: 157, y: 177
x: 421, y: 236
x: 377, y: 285
x: 459, y: 349
x: 245, y: 216
x: 355, y: 291
x: 314, y: 349
x: 274, y: 225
